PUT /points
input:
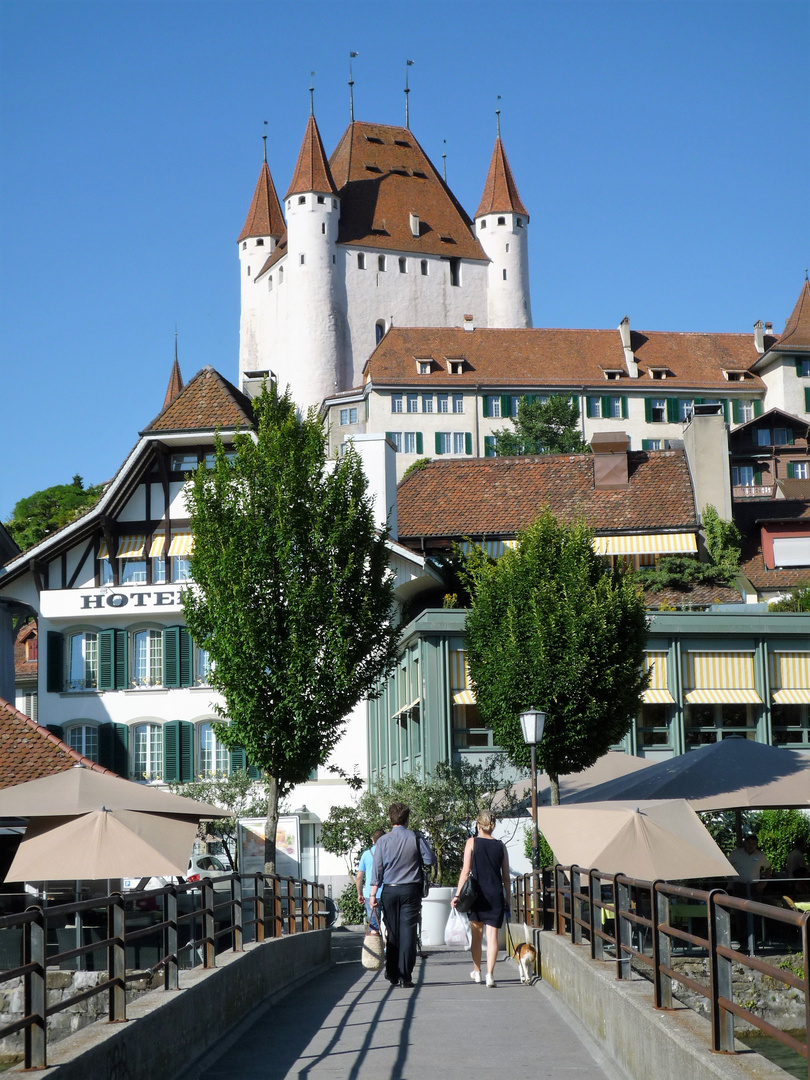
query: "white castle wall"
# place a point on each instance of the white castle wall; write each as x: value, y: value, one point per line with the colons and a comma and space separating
x: 508, y: 296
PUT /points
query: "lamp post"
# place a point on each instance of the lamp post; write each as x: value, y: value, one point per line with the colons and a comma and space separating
x: 532, y: 722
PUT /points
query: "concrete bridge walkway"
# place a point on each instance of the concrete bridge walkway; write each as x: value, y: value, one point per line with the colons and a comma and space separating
x: 350, y: 1024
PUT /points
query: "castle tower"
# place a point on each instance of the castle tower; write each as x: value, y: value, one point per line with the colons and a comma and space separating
x: 501, y: 227
x: 315, y: 319
x: 262, y: 231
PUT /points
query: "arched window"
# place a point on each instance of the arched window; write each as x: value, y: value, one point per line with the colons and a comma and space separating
x: 379, y: 330
x: 301, y: 200
x: 147, y: 658
x: 83, y: 738
x: 202, y: 666
x: 501, y: 220
x: 213, y: 756
x: 147, y: 752
x: 82, y: 662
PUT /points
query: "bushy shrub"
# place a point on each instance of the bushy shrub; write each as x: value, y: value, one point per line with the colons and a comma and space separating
x: 778, y: 831
x: 353, y: 912
x: 546, y: 854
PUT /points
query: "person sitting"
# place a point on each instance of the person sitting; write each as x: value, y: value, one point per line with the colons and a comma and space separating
x: 751, y: 864
x: 796, y: 865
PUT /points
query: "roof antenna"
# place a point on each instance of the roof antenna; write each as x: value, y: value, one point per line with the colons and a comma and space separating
x: 312, y: 93
x: 408, y: 63
x: 498, y: 119
x: 264, y: 140
x: 351, y: 88
x: 444, y: 160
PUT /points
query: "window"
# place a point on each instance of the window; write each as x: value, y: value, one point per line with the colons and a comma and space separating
x: 412, y: 402
x: 133, y: 571
x: 181, y: 568
x: 710, y: 723
x: 427, y: 402
x: 782, y: 437
x: 658, y: 410
x: 424, y: 367
x: 214, y: 757
x: 762, y: 437
x: 30, y: 705
x: 281, y: 275
x: 147, y: 752
x: 210, y: 459
x: 32, y: 648
x: 83, y: 738
x: 507, y: 249
x: 504, y: 275
x: 83, y: 662
x: 455, y: 271
x: 270, y: 283
x: 348, y: 416
x: 519, y: 222
x: 381, y: 260
x: 444, y: 442
x: 321, y: 200
x: 455, y: 367
x: 379, y: 331
x: 414, y: 220
x: 803, y: 367
x: 458, y: 403
x: 442, y: 403
x: 746, y: 410
x: 607, y: 408
x: 105, y: 572
x: 147, y: 658
x: 685, y: 409
x: 403, y: 266
x: 652, y: 444
x: 396, y: 403
x: 184, y: 462
x: 396, y: 438
x: 742, y: 476
x: 159, y: 571
x: 302, y: 200
x: 654, y: 725
x: 458, y: 442
x: 501, y: 220
x: 492, y: 406
x: 489, y: 446
x: 302, y: 259
x: 361, y: 260
x: 800, y: 470
x: 423, y: 266
x: 409, y: 442
x: 483, y: 224
x: 202, y: 666
x: 790, y: 724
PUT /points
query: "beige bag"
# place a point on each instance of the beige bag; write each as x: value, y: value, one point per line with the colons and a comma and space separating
x: 372, y: 952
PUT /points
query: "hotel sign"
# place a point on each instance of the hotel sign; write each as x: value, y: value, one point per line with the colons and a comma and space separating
x: 76, y: 603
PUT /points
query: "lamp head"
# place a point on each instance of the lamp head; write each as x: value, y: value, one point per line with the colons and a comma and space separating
x: 532, y: 722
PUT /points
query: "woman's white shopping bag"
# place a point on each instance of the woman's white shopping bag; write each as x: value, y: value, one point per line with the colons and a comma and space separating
x: 457, y: 933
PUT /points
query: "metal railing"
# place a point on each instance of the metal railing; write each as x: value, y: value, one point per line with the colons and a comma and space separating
x: 186, y: 925
x: 652, y: 919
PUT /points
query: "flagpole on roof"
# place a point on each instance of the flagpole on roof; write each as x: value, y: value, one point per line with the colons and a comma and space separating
x: 312, y: 93
x: 351, y: 88
x: 408, y: 63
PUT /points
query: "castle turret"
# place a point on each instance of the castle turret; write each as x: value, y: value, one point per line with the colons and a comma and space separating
x: 315, y: 318
x: 262, y: 231
x: 501, y: 225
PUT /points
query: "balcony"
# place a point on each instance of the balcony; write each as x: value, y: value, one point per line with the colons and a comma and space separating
x: 752, y: 491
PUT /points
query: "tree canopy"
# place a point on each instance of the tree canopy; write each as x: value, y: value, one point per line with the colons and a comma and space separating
x: 292, y: 595
x: 235, y: 791
x: 552, y: 627
x: 34, y: 517
x: 542, y: 427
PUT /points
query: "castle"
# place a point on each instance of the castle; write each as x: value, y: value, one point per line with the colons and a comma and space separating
x: 373, y: 238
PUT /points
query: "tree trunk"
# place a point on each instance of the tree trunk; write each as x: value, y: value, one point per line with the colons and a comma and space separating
x: 554, y: 782
x: 271, y: 826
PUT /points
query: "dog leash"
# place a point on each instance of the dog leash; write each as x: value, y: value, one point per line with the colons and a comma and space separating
x: 510, y: 949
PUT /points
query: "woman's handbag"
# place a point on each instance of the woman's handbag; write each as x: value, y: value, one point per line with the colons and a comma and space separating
x: 469, y: 894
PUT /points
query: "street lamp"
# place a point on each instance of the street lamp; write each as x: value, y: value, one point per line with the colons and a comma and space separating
x: 532, y: 722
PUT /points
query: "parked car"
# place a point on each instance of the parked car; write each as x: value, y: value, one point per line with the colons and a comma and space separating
x: 199, y: 867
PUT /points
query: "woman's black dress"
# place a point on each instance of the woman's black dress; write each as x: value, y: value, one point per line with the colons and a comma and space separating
x: 487, y: 869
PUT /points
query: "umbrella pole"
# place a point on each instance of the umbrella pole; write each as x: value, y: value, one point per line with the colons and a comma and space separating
x: 738, y: 826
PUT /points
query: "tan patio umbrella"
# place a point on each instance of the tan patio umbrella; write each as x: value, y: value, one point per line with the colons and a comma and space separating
x: 610, y: 766
x: 104, y: 844
x: 657, y: 839
x: 80, y: 790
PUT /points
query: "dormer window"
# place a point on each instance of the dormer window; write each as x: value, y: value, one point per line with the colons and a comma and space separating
x: 733, y: 375
x: 414, y: 220
x: 612, y: 373
x: 420, y: 174
x: 373, y: 168
x: 374, y: 139
x: 658, y: 372
x: 402, y: 142
x: 455, y: 367
x: 424, y: 367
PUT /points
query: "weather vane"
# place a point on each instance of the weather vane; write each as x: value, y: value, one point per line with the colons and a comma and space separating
x: 312, y: 75
x: 352, y: 55
x: 408, y: 63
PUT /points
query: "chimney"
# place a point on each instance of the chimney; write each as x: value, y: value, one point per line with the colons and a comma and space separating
x: 629, y: 358
x: 769, y: 328
x: 469, y: 322
x: 610, y: 465
x: 705, y: 441
x: 759, y: 340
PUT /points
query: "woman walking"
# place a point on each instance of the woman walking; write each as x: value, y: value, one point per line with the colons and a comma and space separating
x: 489, y: 863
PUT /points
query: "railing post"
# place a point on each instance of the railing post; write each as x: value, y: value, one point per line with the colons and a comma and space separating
x: 720, y: 975
x: 576, y: 907
x: 171, y: 963
x: 597, y: 945
x: 559, y: 914
x: 36, y: 1043
x: 117, y: 960
x: 237, y: 919
x: 624, y: 929
x: 209, y: 942
x: 662, y: 948
x: 305, y: 925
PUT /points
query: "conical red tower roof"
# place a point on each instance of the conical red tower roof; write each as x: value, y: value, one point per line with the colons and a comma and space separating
x: 797, y: 328
x: 175, y: 384
x: 500, y: 191
x: 312, y: 172
x: 264, y: 216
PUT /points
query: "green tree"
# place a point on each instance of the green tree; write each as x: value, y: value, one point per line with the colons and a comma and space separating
x: 34, y: 517
x: 723, y: 546
x: 234, y: 791
x: 778, y: 831
x: 292, y: 594
x: 542, y: 427
x: 443, y: 807
x: 798, y: 599
x: 551, y: 627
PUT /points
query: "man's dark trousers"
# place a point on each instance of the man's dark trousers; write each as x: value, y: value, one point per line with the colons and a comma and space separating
x: 402, y: 905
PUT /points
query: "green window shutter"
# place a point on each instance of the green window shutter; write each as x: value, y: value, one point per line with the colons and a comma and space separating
x: 624, y: 407
x: 57, y: 730
x: 791, y: 436
x: 254, y: 773
x: 646, y: 444
x: 419, y: 443
x: 605, y: 408
x: 757, y: 477
x: 506, y: 406
x: 438, y: 443
x: 757, y: 407
x: 390, y: 436
x: 648, y: 410
x: 121, y: 653
x: 489, y: 446
x: 171, y: 751
x: 56, y: 663
x: 735, y: 411
x: 672, y: 410
x: 186, y: 655
x: 791, y: 470
x: 106, y: 661
x: 468, y: 442
x: 724, y: 403
x: 238, y: 759
x: 113, y: 748
x: 807, y: 399
x: 171, y: 656
x: 485, y: 406
x: 590, y: 405
x: 698, y: 400
x: 366, y: 404
x: 799, y: 366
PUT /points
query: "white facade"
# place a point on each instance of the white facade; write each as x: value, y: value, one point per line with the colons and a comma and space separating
x: 505, y: 240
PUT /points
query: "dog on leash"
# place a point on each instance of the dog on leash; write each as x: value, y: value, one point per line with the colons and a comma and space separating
x: 526, y: 956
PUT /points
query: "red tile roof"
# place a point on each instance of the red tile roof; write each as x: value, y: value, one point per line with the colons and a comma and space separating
x: 496, y: 497
x: 175, y: 384
x: 796, y: 337
x: 207, y: 403
x: 28, y: 751
x: 384, y: 176
x: 565, y: 359
x: 312, y: 171
x: 264, y: 216
x: 750, y: 515
x: 500, y: 190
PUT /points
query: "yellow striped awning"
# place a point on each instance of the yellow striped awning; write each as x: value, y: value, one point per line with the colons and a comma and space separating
x: 158, y: 546
x: 182, y: 543
x: 407, y: 708
x: 493, y: 548
x: 460, y: 679
x: 720, y: 678
x: 463, y: 697
x: 646, y: 544
x: 131, y: 547
x: 103, y: 551
x: 790, y: 677
x: 657, y: 692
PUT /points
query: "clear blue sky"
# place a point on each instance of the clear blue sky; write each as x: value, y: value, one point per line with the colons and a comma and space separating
x: 661, y: 148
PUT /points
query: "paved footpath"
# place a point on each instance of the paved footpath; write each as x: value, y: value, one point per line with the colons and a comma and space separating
x: 350, y: 1024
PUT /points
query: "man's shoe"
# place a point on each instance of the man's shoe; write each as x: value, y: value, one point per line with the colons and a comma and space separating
x: 408, y: 984
x: 393, y: 979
